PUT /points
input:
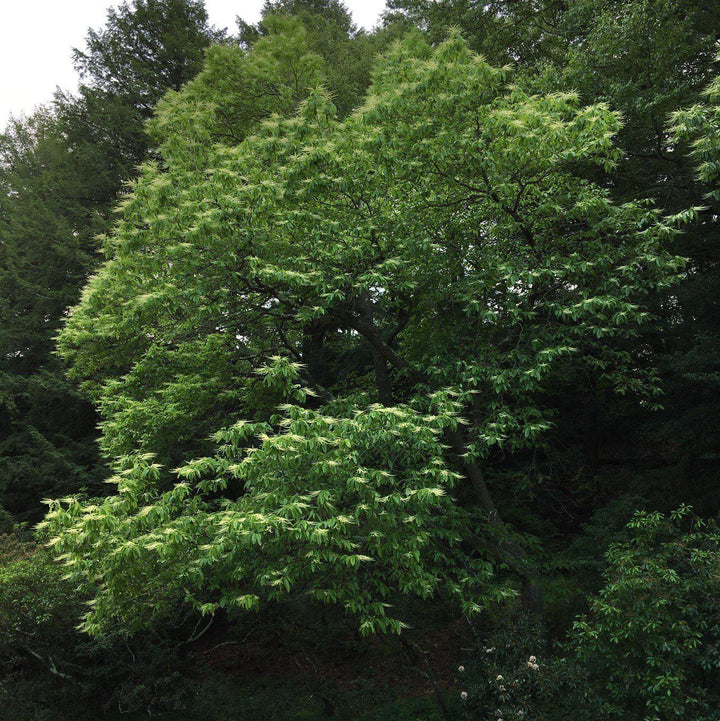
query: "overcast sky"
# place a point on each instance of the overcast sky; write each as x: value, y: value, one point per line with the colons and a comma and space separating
x: 37, y: 37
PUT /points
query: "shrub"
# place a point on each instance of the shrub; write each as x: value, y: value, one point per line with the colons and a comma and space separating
x: 652, y: 638
x: 49, y: 669
x: 514, y: 675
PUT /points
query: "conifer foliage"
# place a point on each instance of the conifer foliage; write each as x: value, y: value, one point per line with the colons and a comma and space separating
x: 61, y: 170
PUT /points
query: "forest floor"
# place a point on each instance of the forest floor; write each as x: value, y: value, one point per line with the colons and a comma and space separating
x: 297, y: 673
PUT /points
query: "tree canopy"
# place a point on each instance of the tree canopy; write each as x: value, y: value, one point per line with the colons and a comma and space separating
x: 392, y: 339
x: 441, y: 237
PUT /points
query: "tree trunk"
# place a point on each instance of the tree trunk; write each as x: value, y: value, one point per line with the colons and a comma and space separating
x: 509, y: 551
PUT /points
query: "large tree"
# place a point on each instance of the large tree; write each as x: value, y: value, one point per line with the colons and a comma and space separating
x: 649, y: 60
x: 645, y: 59
x: 348, y: 52
x: 47, y: 223
x: 408, y: 284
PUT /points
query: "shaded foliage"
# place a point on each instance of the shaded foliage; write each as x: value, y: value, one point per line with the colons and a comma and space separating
x: 61, y: 170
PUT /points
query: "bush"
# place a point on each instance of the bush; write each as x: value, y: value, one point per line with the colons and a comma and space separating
x: 49, y: 669
x: 652, y: 638
x: 514, y: 675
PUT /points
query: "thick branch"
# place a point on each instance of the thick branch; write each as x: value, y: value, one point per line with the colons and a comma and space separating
x: 382, y: 376
x: 475, y: 477
x: 509, y: 551
x: 368, y: 331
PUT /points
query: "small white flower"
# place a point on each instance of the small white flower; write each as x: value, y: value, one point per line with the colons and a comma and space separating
x: 532, y: 659
x: 489, y: 650
x: 463, y: 695
x: 461, y: 669
x: 501, y: 688
x: 499, y: 679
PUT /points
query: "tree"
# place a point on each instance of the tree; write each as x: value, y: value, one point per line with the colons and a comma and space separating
x: 645, y: 59
x: 408, y: 283
x: 527, y: 33
x: 649, y: 60
x: 60, y: 172
x: 47, y: 224
x: 144, y: 49
x: 347, y: 51
x: 693, y: 343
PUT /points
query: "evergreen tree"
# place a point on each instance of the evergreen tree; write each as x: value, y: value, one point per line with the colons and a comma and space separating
x: 649, y: 60
x: 48, y: 219
x: 61, y: 171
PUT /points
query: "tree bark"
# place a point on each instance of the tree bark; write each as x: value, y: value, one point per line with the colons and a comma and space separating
x: 382, y: 376
x: 509, y: 551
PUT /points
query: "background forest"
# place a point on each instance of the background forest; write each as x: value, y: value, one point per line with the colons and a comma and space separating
x: 367, y: 374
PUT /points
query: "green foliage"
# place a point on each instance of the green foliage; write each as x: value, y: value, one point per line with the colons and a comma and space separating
x: 43, y: 192
x: 235, y: 91
x: 334, y: 343
x: 698, y: 125
x: 523, y: 32
x: 350, y: 510
x: 653, y: 58
x: 60, y: 171
x: 573, y: 569
x: 648, y: 649
x: 36, y: 606
x: 233, y: 94
x: 652, y: 638
x: 145, y: 48
x: 645, y: 59
x: 50, y: 670
x: 348, y: 53
x: 47, y: 222
x: 41, y: 652
x: 263, y: 258
x: 440, y: 231
x: 514, y: 675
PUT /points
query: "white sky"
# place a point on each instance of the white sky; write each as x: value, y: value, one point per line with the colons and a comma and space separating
x: 37, y: 37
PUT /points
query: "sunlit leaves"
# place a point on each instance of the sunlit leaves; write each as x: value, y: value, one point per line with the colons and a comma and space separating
x: 435, y: 251
x: 350, y: 510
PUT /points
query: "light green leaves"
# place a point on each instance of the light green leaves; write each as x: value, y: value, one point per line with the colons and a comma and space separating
x: 349, y: 510
x: 435, y: 252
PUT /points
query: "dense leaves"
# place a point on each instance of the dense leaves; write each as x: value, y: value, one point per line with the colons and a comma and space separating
x: 653, y: 637
x: 374, y: 357
x: 61, y: 170
x: 48, y: 217
x: 313, y: 238
x: 350, y: 510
